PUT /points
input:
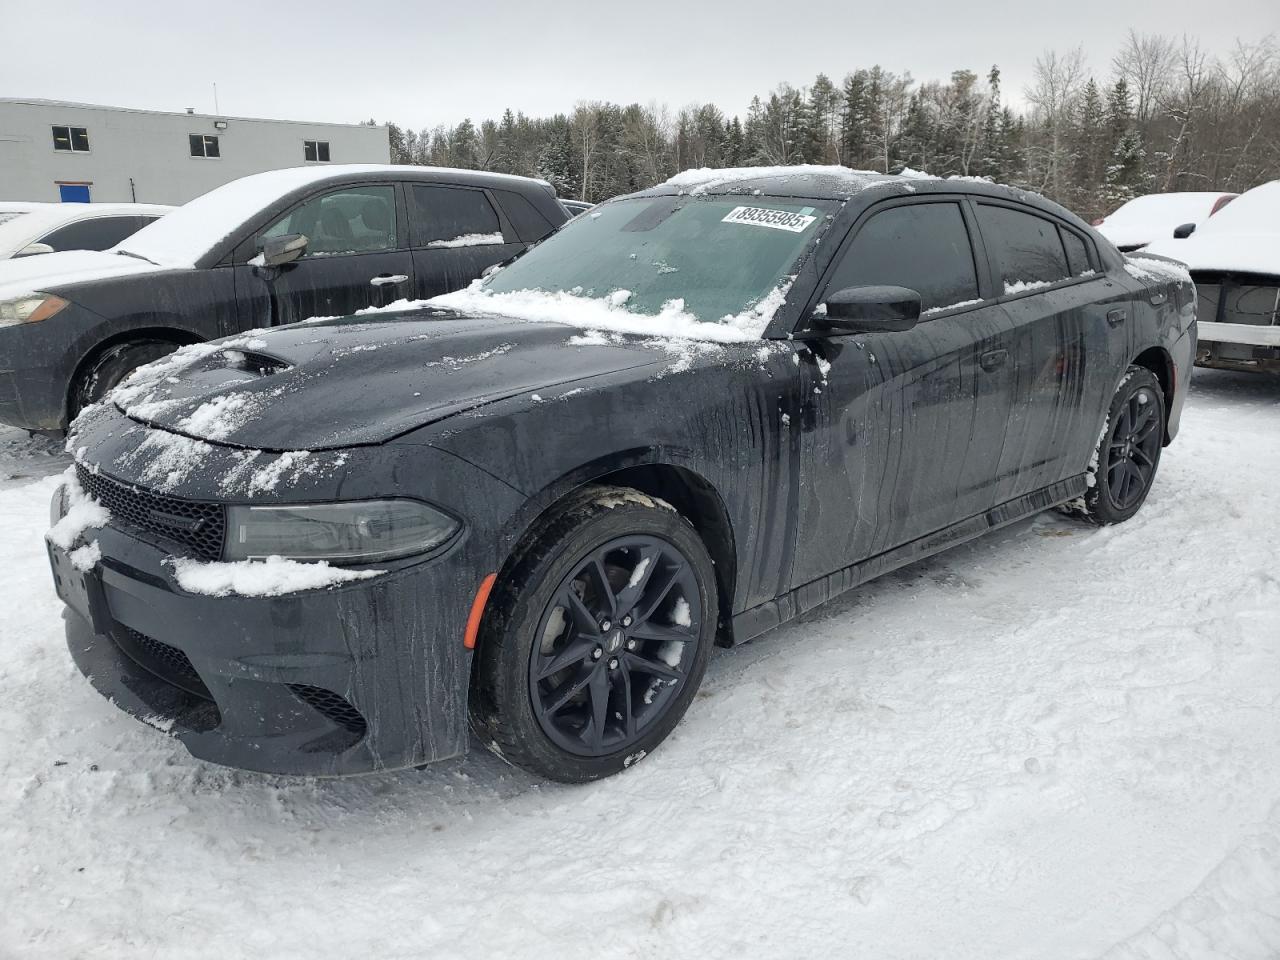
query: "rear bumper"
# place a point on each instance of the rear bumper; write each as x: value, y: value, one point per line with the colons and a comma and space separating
x: 1239, y: 346
x: 368, y: 677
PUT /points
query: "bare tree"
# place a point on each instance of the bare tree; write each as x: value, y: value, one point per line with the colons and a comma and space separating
x: 1147, y: 63
x: 1058, y: 81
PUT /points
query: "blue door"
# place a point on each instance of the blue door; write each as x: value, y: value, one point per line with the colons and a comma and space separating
x: 73, y: 192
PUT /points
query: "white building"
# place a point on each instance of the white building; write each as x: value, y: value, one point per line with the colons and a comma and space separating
x: 50, y: 150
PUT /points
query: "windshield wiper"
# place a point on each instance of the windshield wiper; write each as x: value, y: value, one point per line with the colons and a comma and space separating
x: 137, y: 256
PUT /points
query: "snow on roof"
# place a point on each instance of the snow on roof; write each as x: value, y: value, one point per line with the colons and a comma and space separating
x: 1244, y: 235
x: 193, y: 230
x: 706, y: 179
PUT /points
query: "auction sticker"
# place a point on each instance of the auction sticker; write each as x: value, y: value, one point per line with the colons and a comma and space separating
x: 775, y: 219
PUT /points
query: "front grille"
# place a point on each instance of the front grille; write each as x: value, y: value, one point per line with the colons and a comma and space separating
x: 199, y: 527
x: 332, y: 706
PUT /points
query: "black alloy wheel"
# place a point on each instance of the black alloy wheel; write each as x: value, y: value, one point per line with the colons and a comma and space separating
x: 595, y: 637
x: 613, y: 646
x: 1124, y: 463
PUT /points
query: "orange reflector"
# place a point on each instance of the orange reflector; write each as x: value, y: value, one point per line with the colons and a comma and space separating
x: 477, y: 611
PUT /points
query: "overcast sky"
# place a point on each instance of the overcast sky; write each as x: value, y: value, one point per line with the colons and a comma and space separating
x: 424, y: 63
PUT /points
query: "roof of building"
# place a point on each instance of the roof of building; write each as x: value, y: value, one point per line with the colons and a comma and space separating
x: 38, y: 102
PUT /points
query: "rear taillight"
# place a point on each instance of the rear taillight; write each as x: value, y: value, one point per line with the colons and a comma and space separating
x: 1221, y: 202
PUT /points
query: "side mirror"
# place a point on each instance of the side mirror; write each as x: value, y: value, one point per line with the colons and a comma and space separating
x: 277, y: 251
x: 1184, y: 231
x: 870, y: 310
x: 31, y: 249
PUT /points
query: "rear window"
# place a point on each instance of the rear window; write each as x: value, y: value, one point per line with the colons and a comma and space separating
x: 1077, y: 252
x: 101, y: 233
x: 453, y: 216
x: 524, y: 216
x: 1026, y: 249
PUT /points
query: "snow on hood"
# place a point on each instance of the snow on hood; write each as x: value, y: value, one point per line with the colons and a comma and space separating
x: 1154, y: 217
x: 1244, y: 235
x: 27, y: 275
x: 320, y: 387
x: 611, y: 313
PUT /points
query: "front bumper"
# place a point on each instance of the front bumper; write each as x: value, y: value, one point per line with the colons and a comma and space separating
x: 367, y: 677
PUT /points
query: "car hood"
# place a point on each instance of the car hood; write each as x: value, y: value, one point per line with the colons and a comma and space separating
x: 356, y: 381
x: 1246, y: 253
x: 49, y: 272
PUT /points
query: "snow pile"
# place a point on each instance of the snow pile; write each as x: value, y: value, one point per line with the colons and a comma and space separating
x: 217, y: 419
x: 1153, y: 268
x: 272, y: 577
x: 709, y: 179
x: 469, y: 240
x: 1022, y: 286
x: 83, y: 513
x: 84, y: 558
x: 610, y: 313
x: 955, y: 306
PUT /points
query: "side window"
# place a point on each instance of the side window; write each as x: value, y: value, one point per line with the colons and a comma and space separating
x: 101, y: 233
x: 1026, y: 250
x: 1077, y: 252
x: 922, y: 246
x: 453, y: 217
x: 352, y: 220
x: 529, y: 223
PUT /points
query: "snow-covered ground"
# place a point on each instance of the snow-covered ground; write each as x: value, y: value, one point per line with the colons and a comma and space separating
x: 1058, y: 742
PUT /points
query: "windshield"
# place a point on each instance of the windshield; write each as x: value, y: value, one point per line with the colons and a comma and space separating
x: 721, y: 256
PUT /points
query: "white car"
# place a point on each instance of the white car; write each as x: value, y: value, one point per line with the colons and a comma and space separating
x: 1157, y: 216
x: 30, y: 228
x: 1235, y: 261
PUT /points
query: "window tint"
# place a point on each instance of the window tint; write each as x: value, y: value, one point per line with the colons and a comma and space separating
x: 204, y: 146
x: 923, y: 246
x: 353, y: 220
x: 75, y: 139
x: 101, y: 233
x: 444, y: 216
x: 315, y: 150
x: 1025, y: 249
x: 1077, y: 252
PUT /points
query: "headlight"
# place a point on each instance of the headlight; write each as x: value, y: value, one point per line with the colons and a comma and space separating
x: 360, y: 531
x: 29, y: 309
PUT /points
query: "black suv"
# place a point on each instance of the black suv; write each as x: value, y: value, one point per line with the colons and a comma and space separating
x: 261, y: 251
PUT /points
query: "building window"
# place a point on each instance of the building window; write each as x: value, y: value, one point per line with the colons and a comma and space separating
x: 71, y: 139
x: 317, y: 150
x: 204, y: 146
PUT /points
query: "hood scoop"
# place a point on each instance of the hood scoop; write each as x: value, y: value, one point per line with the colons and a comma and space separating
x: 252, y: 362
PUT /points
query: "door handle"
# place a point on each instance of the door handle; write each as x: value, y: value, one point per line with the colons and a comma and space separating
x: 383, y: 279
x: 1115, y: 317
x: 1157, y: 298
x: 993, y: 358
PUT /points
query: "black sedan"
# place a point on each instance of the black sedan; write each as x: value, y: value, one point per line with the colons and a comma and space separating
x: 689, y: 416
x: 268, y: 249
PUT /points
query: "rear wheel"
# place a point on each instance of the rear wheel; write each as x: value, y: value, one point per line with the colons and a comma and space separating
x: 1124, y: 463
x: 594, y: 645
x: 106, y: 371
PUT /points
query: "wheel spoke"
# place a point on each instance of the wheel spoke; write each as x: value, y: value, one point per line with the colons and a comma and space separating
x: 654, y: 668
x: 660, y: 589
x: 604, y: 590
x: 1139, y: 453
x: 641, y: 575
x: 575, y: 651
x: 663, y: 632
x: 599, y: 687
x: 1147, y: 428
x: 628, y: 712
x: 570, y: 689
x: 583, y: 619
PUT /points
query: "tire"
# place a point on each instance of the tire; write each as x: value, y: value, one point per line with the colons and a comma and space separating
x: 1124, y: 463
x: 109, y: 369
x: 542, y: 642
